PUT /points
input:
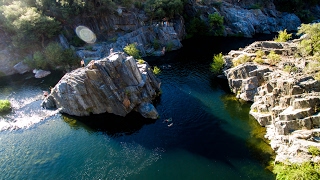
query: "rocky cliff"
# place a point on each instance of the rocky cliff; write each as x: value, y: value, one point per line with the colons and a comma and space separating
x: 285, y: 100
x: 116, y: 84
x: 244, y: 18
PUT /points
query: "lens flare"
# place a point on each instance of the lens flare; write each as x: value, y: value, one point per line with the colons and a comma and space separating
x: 86, y: 34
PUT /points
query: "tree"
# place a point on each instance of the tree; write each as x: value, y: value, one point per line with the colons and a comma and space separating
x: 310, y: 45
x: 158, y: 9
x: 27, y: 24
x: 216, y: 23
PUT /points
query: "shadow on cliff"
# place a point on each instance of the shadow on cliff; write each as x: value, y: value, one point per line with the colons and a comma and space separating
x: 109, y: 124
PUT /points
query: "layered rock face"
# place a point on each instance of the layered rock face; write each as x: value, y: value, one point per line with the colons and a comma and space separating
x: 115, y: 84
x: 286, y: 103
x: 241, y: 18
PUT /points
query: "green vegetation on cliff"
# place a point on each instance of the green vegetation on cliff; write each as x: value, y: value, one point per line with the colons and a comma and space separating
x: 283, y: 36
x: 5, y: 106
x: 217, y: 64
x: 310, y: 45
x: 305, y: 171
x: 132, y: 50
x: 52, y: 57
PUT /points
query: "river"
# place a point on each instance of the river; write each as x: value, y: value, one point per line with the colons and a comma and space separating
x: 210, y: 136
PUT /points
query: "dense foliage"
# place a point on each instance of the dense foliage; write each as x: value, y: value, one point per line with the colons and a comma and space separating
x: 197, y: 27
x: 52, y: 57
x: 305, y: 171
x: 158, y: 9
x: 216, y: 24
x: 27, y: 24
x: 310, y: 45
x: 5, y: 106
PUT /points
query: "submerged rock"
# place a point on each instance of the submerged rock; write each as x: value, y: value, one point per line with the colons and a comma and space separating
x: 115, y: 84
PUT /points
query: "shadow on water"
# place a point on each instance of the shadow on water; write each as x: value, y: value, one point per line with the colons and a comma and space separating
x: 110, y: 124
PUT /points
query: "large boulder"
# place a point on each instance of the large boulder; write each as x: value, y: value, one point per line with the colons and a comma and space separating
x: 115, y: 84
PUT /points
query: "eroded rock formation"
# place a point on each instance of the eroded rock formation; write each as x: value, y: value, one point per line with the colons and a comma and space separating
x: 285, y: 102
x: 115, y: 84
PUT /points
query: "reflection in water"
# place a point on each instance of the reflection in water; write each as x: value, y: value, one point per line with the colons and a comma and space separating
x: 257, y: 143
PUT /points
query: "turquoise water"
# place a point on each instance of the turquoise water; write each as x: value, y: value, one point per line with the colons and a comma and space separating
x: 211, y: 136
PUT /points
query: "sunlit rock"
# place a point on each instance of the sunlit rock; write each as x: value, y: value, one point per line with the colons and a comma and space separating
x: 115, y: 84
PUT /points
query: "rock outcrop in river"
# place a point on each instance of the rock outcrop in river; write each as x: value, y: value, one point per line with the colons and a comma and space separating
x: 116, y: 84
x: 286, y: 98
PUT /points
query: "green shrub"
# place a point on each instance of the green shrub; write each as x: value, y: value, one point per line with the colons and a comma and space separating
x: 141, y: 61
x: 314, y: 151
x: 157, y: 9
x: 255, y: 6
x: 39, y: 60
x: 5, y: 106
x: 310, y: 45
x: 196, y: 27
x: 217, y: 63
x: 273, y: 58
x: 258, y: 60
x: 132, y: 50
x: 283, y: 36
x: 241, y: 60
x: 260, y: 54
x: 156, y: 70
x: 216, y: 24
x: 305, y: 171
x: 52, y: 57
x: 312, y: 67
x: 289, y: 69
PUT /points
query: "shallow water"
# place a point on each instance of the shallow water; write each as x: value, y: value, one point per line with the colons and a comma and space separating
x: 211, y: 135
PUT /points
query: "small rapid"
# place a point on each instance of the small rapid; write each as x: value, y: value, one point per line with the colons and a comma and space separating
x: 25, y: 94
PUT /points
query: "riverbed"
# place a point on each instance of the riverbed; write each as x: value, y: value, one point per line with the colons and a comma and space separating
x: 203, y: 131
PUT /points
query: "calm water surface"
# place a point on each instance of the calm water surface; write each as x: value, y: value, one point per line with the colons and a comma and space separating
x: 211, y: 137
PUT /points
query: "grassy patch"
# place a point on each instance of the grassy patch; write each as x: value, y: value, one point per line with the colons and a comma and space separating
x: 273, y: 58
x: 241, y: 60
